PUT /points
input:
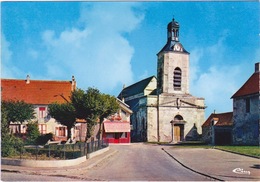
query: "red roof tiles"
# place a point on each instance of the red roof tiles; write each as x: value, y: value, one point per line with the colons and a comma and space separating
x: 36, y: 91
x: 223, y: 119
x: 251, y: 86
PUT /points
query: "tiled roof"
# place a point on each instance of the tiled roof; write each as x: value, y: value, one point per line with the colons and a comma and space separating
x: 37, y: 91
x: 251, y: 86
x: 223, y: 119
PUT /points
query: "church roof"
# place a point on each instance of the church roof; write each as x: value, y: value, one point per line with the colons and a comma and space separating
x: 173, y: 38
x: 251, y: 86
x: 223, y: 119
x: 136, y: 88
x: 169, y: 47
x: 36, y: 91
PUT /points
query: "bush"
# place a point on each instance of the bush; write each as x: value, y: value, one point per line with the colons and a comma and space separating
x: 43, y: 139
x: 11, y: 145
x: 32, y: 133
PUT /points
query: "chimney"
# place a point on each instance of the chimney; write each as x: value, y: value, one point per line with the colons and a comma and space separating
x: 73, y: 83
x: 27, y: 79
x: 257, y: 67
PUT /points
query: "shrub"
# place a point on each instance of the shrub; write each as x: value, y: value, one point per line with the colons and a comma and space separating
x: 11, y: 145
x: 32, y: 133
x: 43, y: 139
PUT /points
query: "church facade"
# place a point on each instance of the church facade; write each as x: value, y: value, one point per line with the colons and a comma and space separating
x: 163, y: 109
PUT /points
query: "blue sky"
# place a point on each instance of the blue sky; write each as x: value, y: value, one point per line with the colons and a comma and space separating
x: 108, y: 44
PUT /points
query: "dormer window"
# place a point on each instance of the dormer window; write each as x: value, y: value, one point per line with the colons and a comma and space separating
x: 177, y: 79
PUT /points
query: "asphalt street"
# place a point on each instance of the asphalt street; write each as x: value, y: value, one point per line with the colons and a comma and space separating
x: 146, y: 162
x: 139, y: 162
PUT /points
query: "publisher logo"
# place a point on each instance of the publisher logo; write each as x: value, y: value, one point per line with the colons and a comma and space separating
x: 241, y: 171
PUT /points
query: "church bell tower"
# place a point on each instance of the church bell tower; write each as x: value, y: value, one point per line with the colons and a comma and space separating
x: 173, y: 64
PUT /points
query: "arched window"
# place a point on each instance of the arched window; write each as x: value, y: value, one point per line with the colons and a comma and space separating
x: 177, y: 79
x: 178, y: 118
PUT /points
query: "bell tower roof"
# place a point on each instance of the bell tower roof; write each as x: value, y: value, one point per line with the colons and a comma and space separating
x: 173, y: 42
x: 173, y: 31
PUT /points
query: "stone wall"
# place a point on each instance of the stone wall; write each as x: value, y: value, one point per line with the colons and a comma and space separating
x: 193, y: 117
x: 246, y: 124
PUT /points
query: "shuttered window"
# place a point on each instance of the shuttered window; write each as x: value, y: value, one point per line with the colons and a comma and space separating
x: 177, y: 79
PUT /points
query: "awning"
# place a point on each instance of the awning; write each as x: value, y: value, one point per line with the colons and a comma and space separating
x: 116, y: 127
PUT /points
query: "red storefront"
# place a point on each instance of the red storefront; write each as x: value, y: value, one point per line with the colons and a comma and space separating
x: 116, y: 131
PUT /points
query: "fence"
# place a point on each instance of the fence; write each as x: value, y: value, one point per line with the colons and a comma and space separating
x: 60, y: 151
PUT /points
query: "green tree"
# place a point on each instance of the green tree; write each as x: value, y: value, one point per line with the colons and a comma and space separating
x: 93, y: 105
x: 109, y: 106
x: 13, y: 111
x: 18, y: 111
x: 10, y: 145
x: 64, y: 114
x: 90, y: 105
x: 32, y: 133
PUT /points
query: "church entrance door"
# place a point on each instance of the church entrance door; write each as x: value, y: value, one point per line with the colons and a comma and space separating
x: 178, y: 132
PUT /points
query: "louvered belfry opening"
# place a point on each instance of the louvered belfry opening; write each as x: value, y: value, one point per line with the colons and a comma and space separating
x: 177, y: 79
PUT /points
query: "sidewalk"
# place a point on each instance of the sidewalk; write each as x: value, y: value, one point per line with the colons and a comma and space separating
x: 218, y: 164
x: 72, y: 171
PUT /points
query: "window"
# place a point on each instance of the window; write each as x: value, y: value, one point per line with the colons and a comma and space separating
x: 42, y: 128
x: 178, y: 118
x: 248, y: 105
x: 61, y: 131
x: 124, y: 135
x: 42, y: 112
x: 177, y: 79
x: 110, y: 135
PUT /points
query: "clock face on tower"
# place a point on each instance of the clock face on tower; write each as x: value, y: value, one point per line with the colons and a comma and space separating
x: 177, y: 47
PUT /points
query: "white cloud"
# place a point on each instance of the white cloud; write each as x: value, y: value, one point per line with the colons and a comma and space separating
x: 97, y: 54
x: 8, y: 69
x: 195, y: 57
x: 218, y: 82
x: 217, y: 85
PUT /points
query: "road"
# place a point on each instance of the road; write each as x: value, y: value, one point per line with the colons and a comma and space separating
x: 134, y: 162
x: 140, y: 162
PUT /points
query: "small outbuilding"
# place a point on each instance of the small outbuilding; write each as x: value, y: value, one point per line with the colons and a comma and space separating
x: 217, y: 129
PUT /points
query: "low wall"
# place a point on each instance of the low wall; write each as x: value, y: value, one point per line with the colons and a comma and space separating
x: 51, y: 163
x: 43, y: 163
x: 93, y: 154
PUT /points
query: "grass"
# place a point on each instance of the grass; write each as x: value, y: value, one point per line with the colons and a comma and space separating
x: 253, y: 151
x: 246, y: 150
x: 30, y: 156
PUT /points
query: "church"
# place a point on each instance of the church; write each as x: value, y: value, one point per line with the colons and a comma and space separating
x: 163, y: 109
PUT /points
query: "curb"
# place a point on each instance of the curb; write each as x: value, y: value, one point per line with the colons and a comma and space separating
x: 237, y: 153
x: 100, y: 160
x: 206, y: 175
x: 87, y: 167
x: 66, y: 176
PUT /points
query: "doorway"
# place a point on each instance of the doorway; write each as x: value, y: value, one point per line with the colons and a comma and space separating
x: 178, y: 132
